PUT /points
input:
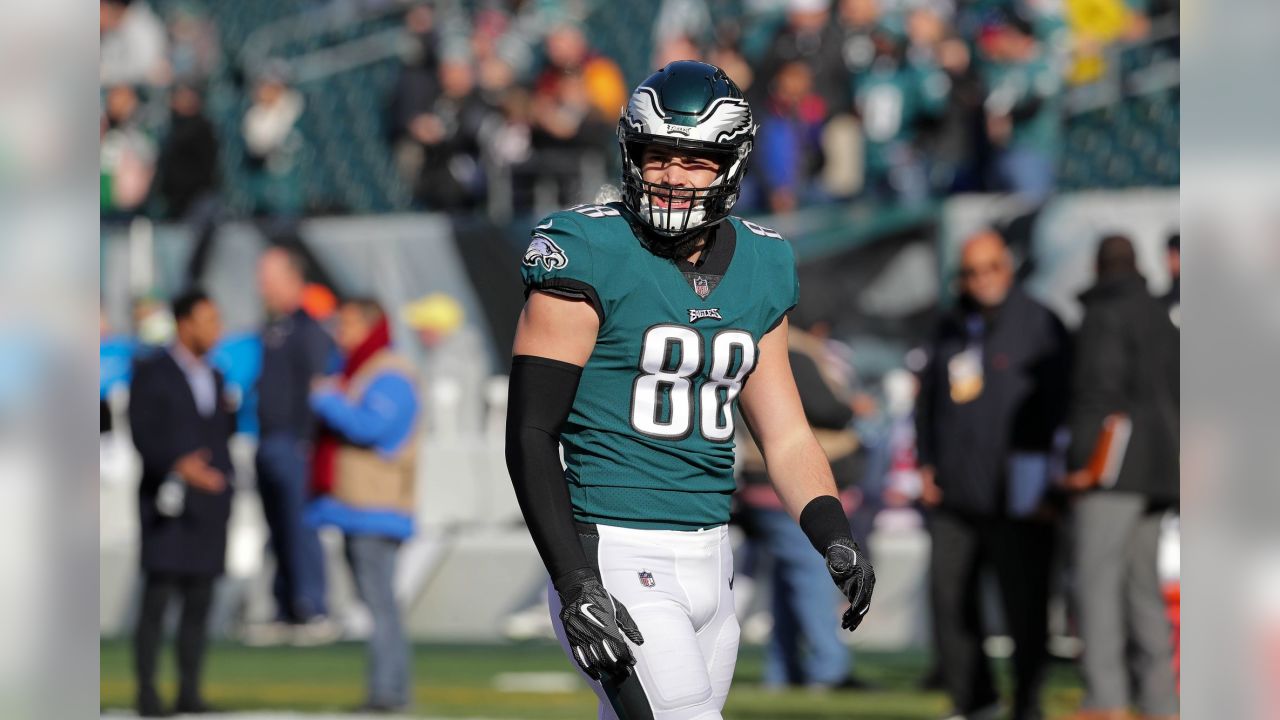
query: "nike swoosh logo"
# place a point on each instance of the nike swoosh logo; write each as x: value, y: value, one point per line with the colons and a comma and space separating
x: 592, y: 618
x: 730, y: 582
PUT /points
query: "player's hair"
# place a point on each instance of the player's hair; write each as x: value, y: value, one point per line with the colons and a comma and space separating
x: 185, y: 304
x: 608, y: 193
x: 1116, y: 256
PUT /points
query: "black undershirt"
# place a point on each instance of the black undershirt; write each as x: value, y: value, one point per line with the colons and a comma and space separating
x: 714, y: 261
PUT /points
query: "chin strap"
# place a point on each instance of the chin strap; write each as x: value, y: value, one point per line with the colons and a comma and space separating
x: 671, y: 248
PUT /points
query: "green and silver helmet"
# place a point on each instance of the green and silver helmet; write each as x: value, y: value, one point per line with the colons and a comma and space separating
x: 693, y: 106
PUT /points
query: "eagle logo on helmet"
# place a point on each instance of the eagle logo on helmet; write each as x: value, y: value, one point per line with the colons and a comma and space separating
x: 643, y: 112
x: 726, y: 119
x: 544, y: 251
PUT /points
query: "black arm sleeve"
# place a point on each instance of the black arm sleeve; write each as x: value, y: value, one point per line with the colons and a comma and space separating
x: 538, y: 403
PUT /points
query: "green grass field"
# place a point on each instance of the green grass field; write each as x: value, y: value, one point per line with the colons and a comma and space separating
x: 460, y: 682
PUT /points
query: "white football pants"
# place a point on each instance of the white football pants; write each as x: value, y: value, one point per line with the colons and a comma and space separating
x: 678, y: 587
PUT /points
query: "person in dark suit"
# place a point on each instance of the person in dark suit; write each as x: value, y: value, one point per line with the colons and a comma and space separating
x: 1128, y: 364
x: 992, y: 395
x: 181, y: 426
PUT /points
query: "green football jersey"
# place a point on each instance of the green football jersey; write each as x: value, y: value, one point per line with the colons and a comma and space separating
x: 649, y: 442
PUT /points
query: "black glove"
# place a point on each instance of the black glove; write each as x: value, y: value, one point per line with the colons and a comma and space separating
x: 854, y: 576
x: 594, y: 623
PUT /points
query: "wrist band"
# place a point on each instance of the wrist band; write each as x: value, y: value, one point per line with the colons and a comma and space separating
x: 823, y: 522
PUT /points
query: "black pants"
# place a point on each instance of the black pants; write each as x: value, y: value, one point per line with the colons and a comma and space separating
x: 1020, y: 552
x: 196, y: 592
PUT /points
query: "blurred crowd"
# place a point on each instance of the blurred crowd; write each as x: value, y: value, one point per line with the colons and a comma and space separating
x: 507, y: 103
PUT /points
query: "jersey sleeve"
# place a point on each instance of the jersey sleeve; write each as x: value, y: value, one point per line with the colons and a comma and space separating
x: 776, y: 271
x: 559, y: 261
x: 788, y: 294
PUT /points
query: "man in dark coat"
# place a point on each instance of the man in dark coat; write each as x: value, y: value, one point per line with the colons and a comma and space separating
x: 295, y: 352
x: 991, y: 398
x: 181, y: 426
x: 1127, y: 364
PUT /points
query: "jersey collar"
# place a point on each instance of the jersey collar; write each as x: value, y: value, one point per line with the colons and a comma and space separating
x: 719, y: 253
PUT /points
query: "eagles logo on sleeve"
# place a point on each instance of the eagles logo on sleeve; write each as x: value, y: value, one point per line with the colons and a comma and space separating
x: 543, y: 250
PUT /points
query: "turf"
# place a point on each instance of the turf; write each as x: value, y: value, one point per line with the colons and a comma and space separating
x: 458, y: 682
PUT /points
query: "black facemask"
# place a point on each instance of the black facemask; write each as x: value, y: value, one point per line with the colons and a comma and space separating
x: 671, y: 248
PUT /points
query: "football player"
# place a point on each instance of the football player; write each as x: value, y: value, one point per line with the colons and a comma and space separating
x: 646, y: 322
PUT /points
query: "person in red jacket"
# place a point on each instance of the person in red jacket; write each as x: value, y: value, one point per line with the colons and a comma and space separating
x: 364, y: 474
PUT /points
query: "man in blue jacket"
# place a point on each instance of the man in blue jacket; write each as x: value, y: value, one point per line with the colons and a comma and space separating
x: 364, y: 472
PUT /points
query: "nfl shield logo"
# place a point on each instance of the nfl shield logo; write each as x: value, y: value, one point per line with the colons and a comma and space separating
x: 646, y: 578
x: 701, y: 286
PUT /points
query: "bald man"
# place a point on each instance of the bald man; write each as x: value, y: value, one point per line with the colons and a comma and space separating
x: 992, y: 395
